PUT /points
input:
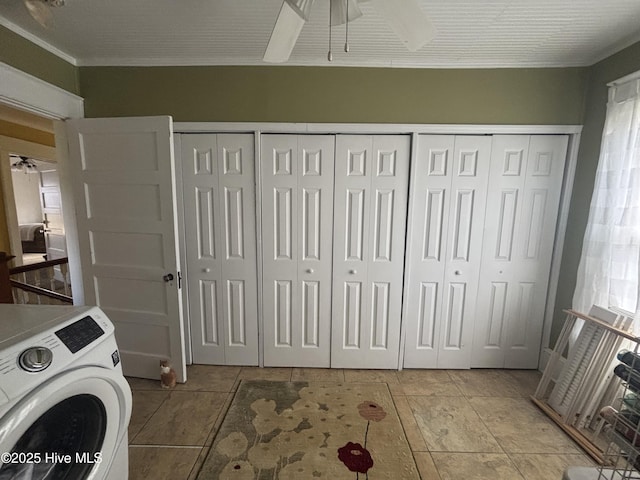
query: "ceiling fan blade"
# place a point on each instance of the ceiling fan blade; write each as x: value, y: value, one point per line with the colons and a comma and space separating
x: 407, y: 20
x: 284, y: 35
x: 302, y: 7
x: 40, y: 12
x: 339, y: 11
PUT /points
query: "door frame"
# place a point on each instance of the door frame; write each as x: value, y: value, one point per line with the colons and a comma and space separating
x: 259, y: 128
x: 10, y: 145
x: 25, y: 92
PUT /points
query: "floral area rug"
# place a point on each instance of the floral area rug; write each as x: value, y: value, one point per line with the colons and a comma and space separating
x: 300, y: 430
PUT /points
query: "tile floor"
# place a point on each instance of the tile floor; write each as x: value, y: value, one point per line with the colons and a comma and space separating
x: 461, y: 424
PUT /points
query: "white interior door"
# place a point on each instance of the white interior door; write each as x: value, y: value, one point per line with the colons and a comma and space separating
x: 369, y: 236
x: 448, y: 205
x: 297, y: 207
x: 122, y: 174
x: 221, y: 272
x: 525, y: 185
x: 51, y: 204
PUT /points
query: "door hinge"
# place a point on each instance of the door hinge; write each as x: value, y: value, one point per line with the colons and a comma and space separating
x: 179, y: 280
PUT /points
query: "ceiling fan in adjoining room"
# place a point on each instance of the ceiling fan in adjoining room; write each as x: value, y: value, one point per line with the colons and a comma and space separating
x: 405, y: 17
x: 40, y: 10
x: 23, y: 164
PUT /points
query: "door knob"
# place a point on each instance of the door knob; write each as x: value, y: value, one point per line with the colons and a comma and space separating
x: 206, y: 270
x: 353, y: 272
x: 457, y: 272
x: 168, y: 277
x: 309, y: 270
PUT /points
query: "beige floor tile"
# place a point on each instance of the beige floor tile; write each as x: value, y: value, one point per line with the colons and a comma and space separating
x: 426, y: 467
x: 209, y: 378
x: 475, y: 466
x: 144, y: 383
x: 520, y: 427
x: 435, y: 389
x: 161, y: 463
x: 525, y: 380
x: 545, y: 467
x: 485, y: 383
x: 145, y: 404
x: 371, y: 376
x: 317, y: 375
x: 411, y: 430
x: 267, y: 373
x: 423, y: 377
x: 450, y: 424
x: 185, y: 418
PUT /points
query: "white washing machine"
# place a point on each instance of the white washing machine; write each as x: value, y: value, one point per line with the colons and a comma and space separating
x: 64, y: 403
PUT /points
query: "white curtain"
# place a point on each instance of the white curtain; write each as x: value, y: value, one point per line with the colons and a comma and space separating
x: 608, y: 274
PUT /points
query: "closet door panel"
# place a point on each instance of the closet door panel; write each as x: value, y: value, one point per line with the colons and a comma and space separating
x: 448, y: 194
x: 389, y: 188
x: 236, y: 161
x: 369, y: 234
x: 470, y: 170
x: 315, y: 180
x: 279, y: 242
x: 204, y: 265
x: 498, y: 293
x: 526, y: 180
x: 533, y: 248
x: 218, y: 176
x: 351, y: 246
x: 297, y: 178
x: 428, y: 227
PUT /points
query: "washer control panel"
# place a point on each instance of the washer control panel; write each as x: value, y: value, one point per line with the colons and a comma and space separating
x: 83, y: 336
x: 35, y: 359
x: 80, y: 333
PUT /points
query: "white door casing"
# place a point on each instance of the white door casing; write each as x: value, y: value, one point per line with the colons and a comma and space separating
x: 522, y: 208
x: 369, y: 236
x: 443, y: 258
x: 221, y: 272
x: 122, y: 175
x: 297, y: 207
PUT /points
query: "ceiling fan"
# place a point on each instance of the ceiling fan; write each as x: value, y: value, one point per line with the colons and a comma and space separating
x: 40, y: 10
x: 405, y: 17
x: 23, y: 164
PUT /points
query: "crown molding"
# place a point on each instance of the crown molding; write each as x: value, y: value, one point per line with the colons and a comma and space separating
x: 312, y: 62
x: 38, y: 41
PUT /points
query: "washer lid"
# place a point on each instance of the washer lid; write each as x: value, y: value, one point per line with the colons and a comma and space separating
x: 71, y: 344
x: 22, y: 321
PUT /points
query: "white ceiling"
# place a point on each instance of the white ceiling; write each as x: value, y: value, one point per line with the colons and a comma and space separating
x: 470, y: 33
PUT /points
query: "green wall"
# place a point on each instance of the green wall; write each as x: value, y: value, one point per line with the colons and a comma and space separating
x: 362, y: 95
x: 336, y: 94
x: 34, y: 60
x: 616, y: 66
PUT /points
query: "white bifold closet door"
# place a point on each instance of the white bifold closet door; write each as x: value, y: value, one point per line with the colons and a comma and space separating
x: 297, y: 220
x: 219, y: 203
x: 369, y: 236
x: 522, y: 209
x: 448, y: 193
